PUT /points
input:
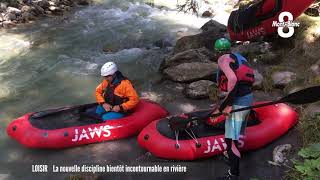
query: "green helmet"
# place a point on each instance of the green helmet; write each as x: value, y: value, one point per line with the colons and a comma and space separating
x: 222, y: 44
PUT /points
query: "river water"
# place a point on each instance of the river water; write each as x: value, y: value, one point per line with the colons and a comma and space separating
x: 56, y: 62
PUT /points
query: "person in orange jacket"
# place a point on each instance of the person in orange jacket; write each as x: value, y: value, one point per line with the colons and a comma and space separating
x: 115, y: 95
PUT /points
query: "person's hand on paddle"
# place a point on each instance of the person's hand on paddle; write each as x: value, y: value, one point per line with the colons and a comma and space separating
x: 116, y: 108
x: 226, y: 112
x: 107, y: 107
x: 214, y: 119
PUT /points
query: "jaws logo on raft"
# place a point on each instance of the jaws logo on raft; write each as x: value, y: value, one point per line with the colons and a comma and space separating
x: 220, y: 145
x: 256, y: 32
x: 91, y: 133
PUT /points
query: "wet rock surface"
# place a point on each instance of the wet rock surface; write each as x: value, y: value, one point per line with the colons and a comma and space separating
x: 211, y: 33
x: 198, y: 89
x: 187, y: 72
x: 313, y: 10
x: 188, y: 56
x: 280, y: 154
x: 17, y: 12
x: 258, y: 80
x: 281, y: 79
x: 315, y: 68
x: 313, y: 109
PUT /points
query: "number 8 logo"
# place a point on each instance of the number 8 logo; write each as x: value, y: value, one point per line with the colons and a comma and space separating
x: 280, y: 29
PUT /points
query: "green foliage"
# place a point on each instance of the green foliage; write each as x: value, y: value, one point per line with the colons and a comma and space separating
x: 189, y: 5
x: 312, y: 151
x: 309, y: 128
x: 309, y: 168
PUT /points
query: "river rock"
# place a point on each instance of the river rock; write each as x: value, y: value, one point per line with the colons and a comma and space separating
x: 313, y: 109
x: 42, y: 3
x: 213, y: 26
x: 13, y: 10
x: 8, y: 24
x: 188, y: 72
x: 215, y: 95
x: 258, y: 80
x: 270, y: 58
x: 48, y: 12
x: 52, y: 3
x: 198, y: 89
x: 282, y: 79
x: 3, y: 6
x: 280, y: 152
x: 36, y: 10
x: 26, y: 8
x: 66, y: 2
x: 10, y: 17
x: 207, y: 14
x: 162, y: 43
x: 26, y: 16
x: 204, y: 39
x: 64, y: 7
x: 56, y: 10
x: 252, y: 49
x: 316, y: 68
x: 53, y: 8
x: 192, y: 55
x: 291, y: 88
x: 83, y: 2
x: 55, y: 2
x: 313, y: 11
x: 25, y: 1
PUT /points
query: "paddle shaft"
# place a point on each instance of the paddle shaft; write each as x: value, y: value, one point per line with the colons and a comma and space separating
x: 256, y: 106
x: 45, y: 113
x: 304, y: 96
x: 240, y: 109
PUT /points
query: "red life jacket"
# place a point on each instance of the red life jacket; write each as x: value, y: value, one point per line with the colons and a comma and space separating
x: 243, y: 72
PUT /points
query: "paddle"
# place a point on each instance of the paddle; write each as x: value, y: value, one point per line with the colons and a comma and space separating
x: 48, y: 112
x: 304, y: 96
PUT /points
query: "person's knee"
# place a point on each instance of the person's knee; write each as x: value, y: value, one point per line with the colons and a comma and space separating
x: 100, y: 110
x: 112, y: 115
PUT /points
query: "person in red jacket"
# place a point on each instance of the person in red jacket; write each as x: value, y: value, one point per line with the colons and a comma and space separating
x: 115, y: 95
x: 235, y: 77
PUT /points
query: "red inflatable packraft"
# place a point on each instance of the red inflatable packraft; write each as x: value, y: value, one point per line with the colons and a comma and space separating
x: 69, y: 126
x: 257, y: 20
x: 265, y: 125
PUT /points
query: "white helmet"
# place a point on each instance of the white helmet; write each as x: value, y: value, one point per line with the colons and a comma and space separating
x: 108, y: 68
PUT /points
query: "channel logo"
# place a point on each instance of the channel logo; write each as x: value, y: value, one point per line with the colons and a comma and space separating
x: 281, y: 24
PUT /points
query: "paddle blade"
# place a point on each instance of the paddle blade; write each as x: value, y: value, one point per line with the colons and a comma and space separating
x: 304, y: 96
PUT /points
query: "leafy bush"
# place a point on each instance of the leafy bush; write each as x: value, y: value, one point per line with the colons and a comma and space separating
x: 309, y: 168
x: 189, y: 5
